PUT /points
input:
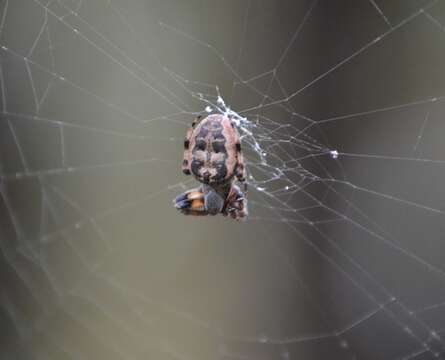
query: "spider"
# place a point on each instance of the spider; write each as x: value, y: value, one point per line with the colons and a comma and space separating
x: 212, y: 153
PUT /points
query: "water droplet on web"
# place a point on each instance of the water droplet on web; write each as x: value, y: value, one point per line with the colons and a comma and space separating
x: 334, y: 154
x: 208, y: 109
x: 286, y: 187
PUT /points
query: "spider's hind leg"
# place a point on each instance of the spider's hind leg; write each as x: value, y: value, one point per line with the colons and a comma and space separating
x: 191, y: 202
x: 199, y: 202
x: 236, y: 204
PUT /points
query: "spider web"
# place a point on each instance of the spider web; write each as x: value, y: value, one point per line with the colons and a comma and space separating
x: 339, y: 105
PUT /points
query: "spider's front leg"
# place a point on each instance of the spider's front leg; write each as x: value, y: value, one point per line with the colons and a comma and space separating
x: 236, y: 204
x: 199, y: 202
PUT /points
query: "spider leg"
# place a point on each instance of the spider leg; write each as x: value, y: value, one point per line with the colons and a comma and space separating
x: 213, y: 202
x: 191, y: 202
x: 236, y: 204
x: 240, y: 171
x: 187, y: 150
x: 199, y: 202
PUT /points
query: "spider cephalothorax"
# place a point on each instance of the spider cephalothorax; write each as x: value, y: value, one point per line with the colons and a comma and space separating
x: 212, y: 153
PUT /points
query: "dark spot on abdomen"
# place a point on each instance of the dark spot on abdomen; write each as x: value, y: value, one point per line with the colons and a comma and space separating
x: 219, y: 146
x: 200, y: 144
x: 221, y: 171
x: 185, y: 169
x: 195, y: 166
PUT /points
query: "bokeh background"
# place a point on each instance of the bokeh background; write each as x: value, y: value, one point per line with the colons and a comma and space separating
x: 96, y: 263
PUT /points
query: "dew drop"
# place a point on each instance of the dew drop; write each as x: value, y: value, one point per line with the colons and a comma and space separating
x: 334, y: 154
